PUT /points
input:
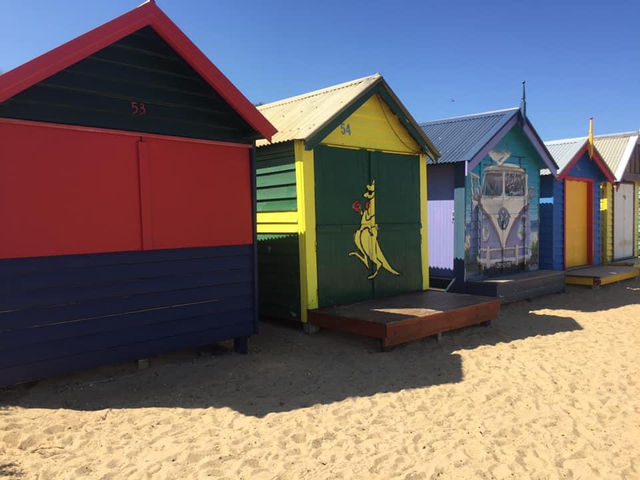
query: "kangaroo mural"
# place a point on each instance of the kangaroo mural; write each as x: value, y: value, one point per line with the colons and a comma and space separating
x: 366, y: 237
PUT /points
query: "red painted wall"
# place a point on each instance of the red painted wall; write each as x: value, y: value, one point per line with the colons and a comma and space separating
x: 64, y: 191
x: 199, y: 195
x: 72, y: 190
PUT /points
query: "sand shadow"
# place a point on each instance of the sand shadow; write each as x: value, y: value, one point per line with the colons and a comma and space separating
x: 286, y: 370
x: 587, y: 299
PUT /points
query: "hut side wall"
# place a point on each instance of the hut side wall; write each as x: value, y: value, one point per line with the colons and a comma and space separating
x: 637, y: 252
x: 278, y: 239
x: 66, y: 313
x: 441, y: 218
x: 61, y: 312
x: 585, y: 168
x: 551, y: 223
x: 128, y: 232
x: 491, y: 249
x: 606, y: 221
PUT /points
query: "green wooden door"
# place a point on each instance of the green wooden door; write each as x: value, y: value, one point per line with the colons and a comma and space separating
x: 340, y: 178
x: 368, y: 234
x: 398, y: 217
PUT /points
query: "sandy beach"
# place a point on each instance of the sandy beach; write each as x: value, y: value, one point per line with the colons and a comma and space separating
x: 551, y: 390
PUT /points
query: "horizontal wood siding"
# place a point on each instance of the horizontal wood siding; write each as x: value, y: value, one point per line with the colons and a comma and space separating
x: 138, y: 83
x: 66, y: 313
x: 276, y: 178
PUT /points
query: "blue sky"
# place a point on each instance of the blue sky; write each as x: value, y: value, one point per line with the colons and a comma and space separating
x: 442, y: 59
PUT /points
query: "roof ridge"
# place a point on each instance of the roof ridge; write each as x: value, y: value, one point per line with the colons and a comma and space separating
x: 321, y: 91
x: 469, y: 116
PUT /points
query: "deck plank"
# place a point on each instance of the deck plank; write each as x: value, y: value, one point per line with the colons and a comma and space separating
x: 601, y: 275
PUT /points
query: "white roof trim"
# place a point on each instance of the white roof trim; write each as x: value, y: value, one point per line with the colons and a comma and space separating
x: 626, y: 156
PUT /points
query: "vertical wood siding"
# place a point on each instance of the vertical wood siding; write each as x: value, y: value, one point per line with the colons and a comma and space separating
x: 441, y: 237
x: 441, y: 218
x: 66, y: 313
x: 606, y: 219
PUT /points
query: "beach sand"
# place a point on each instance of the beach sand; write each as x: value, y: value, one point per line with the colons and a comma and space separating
x: 551, y: 390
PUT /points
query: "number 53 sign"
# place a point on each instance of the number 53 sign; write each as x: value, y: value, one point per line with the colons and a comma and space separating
x: 138, y: 108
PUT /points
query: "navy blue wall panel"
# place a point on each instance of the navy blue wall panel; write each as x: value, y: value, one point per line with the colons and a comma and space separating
x: 60, y: 314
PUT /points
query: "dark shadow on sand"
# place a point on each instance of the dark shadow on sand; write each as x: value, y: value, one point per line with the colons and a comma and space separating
x: 286, y: 370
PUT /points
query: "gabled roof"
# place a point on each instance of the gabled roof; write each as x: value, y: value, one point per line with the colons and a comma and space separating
x: 459, y: 138
x: 566, y: 152
x: 616, y: 150
x: 311, y: 116
x: 146, y: 15
x: 469, y: 138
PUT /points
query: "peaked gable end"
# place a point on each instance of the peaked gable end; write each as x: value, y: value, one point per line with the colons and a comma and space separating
x: 143, y: 18
x: 373, y: 125
x: 138, y: 83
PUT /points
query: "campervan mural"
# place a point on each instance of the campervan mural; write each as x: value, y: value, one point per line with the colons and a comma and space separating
x: 502, y: 233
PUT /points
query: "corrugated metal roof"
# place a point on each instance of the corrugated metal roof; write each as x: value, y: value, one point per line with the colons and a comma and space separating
x: 305, y: 116
x: 563, y: 151
x: 460, y: 138
x: 299, y: 117
x: 616, y: 150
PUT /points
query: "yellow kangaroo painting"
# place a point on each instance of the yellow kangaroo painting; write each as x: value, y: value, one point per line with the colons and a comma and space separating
x: 366, y: 237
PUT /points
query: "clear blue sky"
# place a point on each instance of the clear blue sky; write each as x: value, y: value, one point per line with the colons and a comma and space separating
x: 443, y: 58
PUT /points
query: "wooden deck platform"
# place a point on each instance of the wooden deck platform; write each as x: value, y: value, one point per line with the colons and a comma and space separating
x: 519, y: 286
x: 629, y: 262
x: 407, y: 317
x: 603, y: 275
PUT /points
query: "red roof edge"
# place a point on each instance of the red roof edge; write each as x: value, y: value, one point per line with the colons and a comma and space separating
x: 148, y: 14
x: 596, y: 158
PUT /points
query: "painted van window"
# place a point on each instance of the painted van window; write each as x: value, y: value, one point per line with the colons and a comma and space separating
x: 514, y: 185
x: 492, y: 185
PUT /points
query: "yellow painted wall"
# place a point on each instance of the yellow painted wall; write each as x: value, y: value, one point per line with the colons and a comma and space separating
x: 424, y: 237
x: 277, y: 222
x: 374, y: 127
x: 606, y: 221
